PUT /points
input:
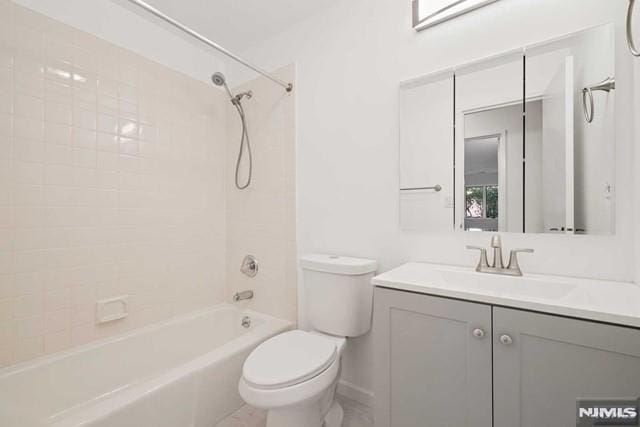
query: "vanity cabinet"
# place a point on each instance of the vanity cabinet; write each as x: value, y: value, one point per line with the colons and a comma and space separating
x: 431, y: 368
x: 442, y: 362
x: 547, y: 362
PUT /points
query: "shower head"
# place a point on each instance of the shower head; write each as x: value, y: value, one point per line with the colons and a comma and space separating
x: 218, y: 79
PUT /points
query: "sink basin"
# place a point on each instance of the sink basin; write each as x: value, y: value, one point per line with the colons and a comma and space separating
x: 507, y: 285
x: 600, y: 300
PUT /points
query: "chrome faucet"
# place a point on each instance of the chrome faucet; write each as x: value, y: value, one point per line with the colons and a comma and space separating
x: 249, y: 266
x: 243, y: 295
x: 497, y: 264
x: 496, y: 244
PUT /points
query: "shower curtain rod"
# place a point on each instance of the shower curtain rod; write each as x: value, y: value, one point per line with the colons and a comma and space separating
x: 287, y: 86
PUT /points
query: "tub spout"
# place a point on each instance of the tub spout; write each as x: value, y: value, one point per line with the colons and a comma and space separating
x: 239, y: 296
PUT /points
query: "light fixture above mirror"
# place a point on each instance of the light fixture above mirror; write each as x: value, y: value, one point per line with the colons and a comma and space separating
x: 427, y: 13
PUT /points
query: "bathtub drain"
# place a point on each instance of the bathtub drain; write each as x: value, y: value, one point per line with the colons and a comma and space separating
x: 246, y: 322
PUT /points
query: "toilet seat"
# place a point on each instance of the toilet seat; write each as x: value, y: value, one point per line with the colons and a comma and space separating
x: 307, y: 391
x: 288, y: 359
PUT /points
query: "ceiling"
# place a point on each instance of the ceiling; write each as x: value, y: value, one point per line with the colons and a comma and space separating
x: 481, y: 156
x: 236, y: 24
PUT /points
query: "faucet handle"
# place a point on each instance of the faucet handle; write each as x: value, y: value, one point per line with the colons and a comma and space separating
x: 513, y: 259
x: 475, y: 248
x: 483, y: 263
x: 524, y: 250
x: 496, y: 241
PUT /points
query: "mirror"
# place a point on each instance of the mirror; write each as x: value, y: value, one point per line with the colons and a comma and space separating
x: 573, y: 136
x: 483, y: 198
x: 426, y: 153
x: 489, y: 146
x: 521, y: 142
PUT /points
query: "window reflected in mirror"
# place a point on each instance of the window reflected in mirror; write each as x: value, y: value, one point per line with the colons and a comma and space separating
x: 481, y: 184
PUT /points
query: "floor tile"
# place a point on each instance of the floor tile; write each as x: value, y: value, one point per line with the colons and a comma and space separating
x: 355, y: 415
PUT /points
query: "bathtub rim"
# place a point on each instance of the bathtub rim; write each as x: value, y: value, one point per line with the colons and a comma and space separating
x: 50, y: 358
x: 96, y: 409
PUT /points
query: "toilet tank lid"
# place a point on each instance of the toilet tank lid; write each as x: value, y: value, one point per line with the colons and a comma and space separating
x: 336, y: 264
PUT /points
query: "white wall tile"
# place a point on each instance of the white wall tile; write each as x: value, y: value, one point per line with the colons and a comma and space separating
x: 27, y: 128
x: 89, y: 208
x: 57, y: 134
x: 259, y: 220
x: 28, y: 106
x: 27, y: 172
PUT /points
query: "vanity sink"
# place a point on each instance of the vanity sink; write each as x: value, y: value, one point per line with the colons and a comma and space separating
x: 605, y: 301
x: 506, y: 285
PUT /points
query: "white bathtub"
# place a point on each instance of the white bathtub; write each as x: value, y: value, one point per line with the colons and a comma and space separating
x: 179, y: 373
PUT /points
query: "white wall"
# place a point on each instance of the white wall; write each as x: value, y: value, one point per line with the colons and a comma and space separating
x: 122, y: 27
x: 350, y: 60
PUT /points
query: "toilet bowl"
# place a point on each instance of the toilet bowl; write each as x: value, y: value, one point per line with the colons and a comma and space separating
x: 294, y: 375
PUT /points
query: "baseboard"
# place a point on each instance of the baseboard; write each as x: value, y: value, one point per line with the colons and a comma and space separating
x: 351, y: 391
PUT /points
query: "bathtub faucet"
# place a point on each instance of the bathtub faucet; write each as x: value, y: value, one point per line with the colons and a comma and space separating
x: 239, y: 296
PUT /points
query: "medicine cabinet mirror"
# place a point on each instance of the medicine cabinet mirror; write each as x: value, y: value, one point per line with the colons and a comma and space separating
x: 521, y: 142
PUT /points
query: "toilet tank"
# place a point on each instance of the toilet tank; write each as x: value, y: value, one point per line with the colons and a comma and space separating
x: 338, y: 294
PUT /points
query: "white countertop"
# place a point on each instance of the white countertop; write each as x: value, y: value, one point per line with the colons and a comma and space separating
x: 600, y: 300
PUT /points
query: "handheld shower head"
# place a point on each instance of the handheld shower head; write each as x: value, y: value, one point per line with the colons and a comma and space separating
x: 218, y: 79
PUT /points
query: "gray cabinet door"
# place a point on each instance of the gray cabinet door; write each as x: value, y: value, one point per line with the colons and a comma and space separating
x: 552, y: 361
x: 431, y: 370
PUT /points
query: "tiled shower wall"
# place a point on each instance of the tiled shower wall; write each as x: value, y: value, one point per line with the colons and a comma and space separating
x: 261, y: 220
x: 112, y: 172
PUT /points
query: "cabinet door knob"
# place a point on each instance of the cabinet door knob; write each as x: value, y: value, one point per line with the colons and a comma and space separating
x: 478, y: 333
x: 506, y: 339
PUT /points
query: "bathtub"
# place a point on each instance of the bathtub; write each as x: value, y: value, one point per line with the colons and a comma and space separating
x: 180, y: 373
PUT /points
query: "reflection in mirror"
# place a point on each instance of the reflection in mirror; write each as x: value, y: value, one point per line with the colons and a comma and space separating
x: 550, y: 153
x: 489, y: 144
x: 426, y: 153
x: 481, y: 182
x: 500, y: 129
x: 530, y: 146
x: 573, y: 79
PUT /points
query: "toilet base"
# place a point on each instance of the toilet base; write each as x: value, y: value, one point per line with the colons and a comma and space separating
x: 335, y: 416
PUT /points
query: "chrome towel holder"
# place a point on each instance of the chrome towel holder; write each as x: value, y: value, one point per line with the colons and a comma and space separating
x: 630, y: 41
x: 607, y: 85
x: 437, y: 188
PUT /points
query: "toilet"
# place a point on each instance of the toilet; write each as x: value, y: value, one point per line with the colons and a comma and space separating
x: 294, y: 375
